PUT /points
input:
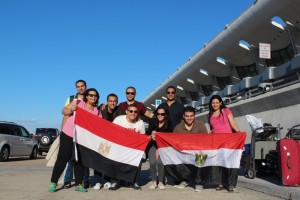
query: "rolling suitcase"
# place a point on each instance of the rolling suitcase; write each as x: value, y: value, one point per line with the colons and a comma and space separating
x: 289, y: 161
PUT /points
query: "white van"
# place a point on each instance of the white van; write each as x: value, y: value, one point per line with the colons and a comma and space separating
x: 15, y: 140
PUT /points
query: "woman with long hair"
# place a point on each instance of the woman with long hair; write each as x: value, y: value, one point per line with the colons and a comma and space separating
x: 160, y: 123
x: 221, y: 120
x: 89, y: 103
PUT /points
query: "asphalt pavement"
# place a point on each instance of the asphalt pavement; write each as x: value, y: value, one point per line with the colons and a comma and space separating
x: 29, y: 179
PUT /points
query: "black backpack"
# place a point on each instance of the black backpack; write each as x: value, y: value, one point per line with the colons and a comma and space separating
x: 71, y: 98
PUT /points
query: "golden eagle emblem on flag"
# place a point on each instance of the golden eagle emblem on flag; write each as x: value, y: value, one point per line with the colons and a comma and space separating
x: 200, y: 158
x: 104, y: 148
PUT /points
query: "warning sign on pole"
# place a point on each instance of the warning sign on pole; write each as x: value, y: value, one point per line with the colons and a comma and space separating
x: 265, y: 50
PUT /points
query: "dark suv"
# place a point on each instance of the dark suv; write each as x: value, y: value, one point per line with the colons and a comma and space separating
x: 45, y: 137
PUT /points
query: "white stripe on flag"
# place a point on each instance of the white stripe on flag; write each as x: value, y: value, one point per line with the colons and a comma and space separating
x: 117, y: 152
x: 228, y: 158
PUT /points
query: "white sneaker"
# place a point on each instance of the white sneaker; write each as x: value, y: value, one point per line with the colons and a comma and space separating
x: 153, y: 185
x: 182, y: 185
x: 161, y: 186
x: 97, y: 186
x: 107, y: 185
x: 198, y: 188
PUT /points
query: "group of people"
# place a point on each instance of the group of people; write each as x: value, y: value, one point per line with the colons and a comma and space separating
x: 170, y: 116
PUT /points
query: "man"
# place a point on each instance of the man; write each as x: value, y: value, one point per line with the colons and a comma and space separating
x: 80, y: 87
x: 130, y: 95
x: 174, y: 108
x: 110, y: 112
x: 68, y: 176
x: 131, y: 121
x: 190, y: 125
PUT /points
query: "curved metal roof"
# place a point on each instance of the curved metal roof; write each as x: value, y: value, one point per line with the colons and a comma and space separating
x: 253, y: 26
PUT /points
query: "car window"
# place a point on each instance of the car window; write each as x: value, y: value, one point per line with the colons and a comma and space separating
x: 52, y: 132
x: 16, y: 131
x: 4, y: 130
x: 24, y: 132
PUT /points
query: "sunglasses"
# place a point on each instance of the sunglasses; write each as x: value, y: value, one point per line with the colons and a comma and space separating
x: 162, y: 114
x: 92, y: 95
x: 171, y: 92
x: 131, y: 111
x: 132, y: 93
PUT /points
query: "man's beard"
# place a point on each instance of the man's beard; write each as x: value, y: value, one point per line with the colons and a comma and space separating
x: 130, y: 99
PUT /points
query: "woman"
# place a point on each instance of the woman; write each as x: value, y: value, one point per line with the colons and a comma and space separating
x: 89, y: 103
x: 221, y: 120
x: 159, y: 124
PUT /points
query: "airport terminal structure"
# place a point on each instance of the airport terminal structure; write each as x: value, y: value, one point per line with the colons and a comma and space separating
x: 253, y: 64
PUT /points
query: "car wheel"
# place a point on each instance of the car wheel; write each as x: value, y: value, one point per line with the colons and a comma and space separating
x: 34, y: 153
x: 45, y: 140
x: 4, y: 154
x: 251, y: 173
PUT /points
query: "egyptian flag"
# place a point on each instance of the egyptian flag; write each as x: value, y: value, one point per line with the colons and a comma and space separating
x: 107, y: 147
x: 205, y: 157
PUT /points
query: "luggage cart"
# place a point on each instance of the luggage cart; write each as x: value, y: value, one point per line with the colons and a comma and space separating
x: 294, y: 132
x: 262, y: 155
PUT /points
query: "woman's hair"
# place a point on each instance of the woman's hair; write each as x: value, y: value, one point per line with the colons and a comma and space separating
x: 167, y: 121
x: 211, y: 110
x: 85, y: 94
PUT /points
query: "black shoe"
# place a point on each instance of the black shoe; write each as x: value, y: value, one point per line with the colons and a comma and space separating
x: 86, y: 184
x: 135, y: 186
x: 67, y: 185
x: 114, y: 186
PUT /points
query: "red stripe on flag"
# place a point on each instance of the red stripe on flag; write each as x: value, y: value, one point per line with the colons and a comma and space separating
x: 110, y: 131
x: 183, y: 141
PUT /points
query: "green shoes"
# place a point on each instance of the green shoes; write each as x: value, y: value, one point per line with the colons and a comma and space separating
x: 52, y: 187
x: 80, y: 188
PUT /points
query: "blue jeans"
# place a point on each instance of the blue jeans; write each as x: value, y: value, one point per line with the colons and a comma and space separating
x: 68, y: 177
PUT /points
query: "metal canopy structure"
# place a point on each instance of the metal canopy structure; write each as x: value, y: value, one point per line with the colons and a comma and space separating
x: 253, y: 27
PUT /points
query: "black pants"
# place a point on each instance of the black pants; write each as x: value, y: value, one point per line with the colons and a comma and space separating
x: 65, y: 153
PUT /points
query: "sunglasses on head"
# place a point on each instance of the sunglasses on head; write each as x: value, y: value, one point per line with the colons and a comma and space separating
x: 162, y: 114
x: 92, y: 95
x: 171, y: 92
x: 132, y: 93
x: 131, y: 111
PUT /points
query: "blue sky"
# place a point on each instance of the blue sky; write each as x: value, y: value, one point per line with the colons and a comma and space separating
x: 45, y: 46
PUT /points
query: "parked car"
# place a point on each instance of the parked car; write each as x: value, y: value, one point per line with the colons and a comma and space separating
x: 15, y: 140
x: 45, y: 137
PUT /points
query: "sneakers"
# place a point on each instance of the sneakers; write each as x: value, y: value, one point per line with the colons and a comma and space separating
x: 67, y: 185
x: 231, y: 189
x: 107, y: 185
x: 161, y: 186
x: 135, y: 186
x: 86, y: 184
x: 153, y: 185
x: 80, y: 188
x: 52, y: 187
x: 198, y: 188
x: 182, y: 185
x: 114, y: 186
x: 97, y: 186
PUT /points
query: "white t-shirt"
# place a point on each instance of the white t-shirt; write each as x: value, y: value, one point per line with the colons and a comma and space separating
x: 138, y: 126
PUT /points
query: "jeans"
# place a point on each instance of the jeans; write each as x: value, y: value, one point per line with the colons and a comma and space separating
x: 156, y: 166
x: 68, y: 176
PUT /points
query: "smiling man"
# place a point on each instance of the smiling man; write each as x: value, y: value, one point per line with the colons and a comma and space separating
x: 132, y: 122
x: 130, y: 96
x: 190, y: 125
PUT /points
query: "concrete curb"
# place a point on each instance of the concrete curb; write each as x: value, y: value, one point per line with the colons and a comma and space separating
x: 260, y: 185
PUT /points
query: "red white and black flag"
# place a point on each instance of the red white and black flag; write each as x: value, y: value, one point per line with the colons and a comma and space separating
x: 183, y: 154
x: 107, y: 147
